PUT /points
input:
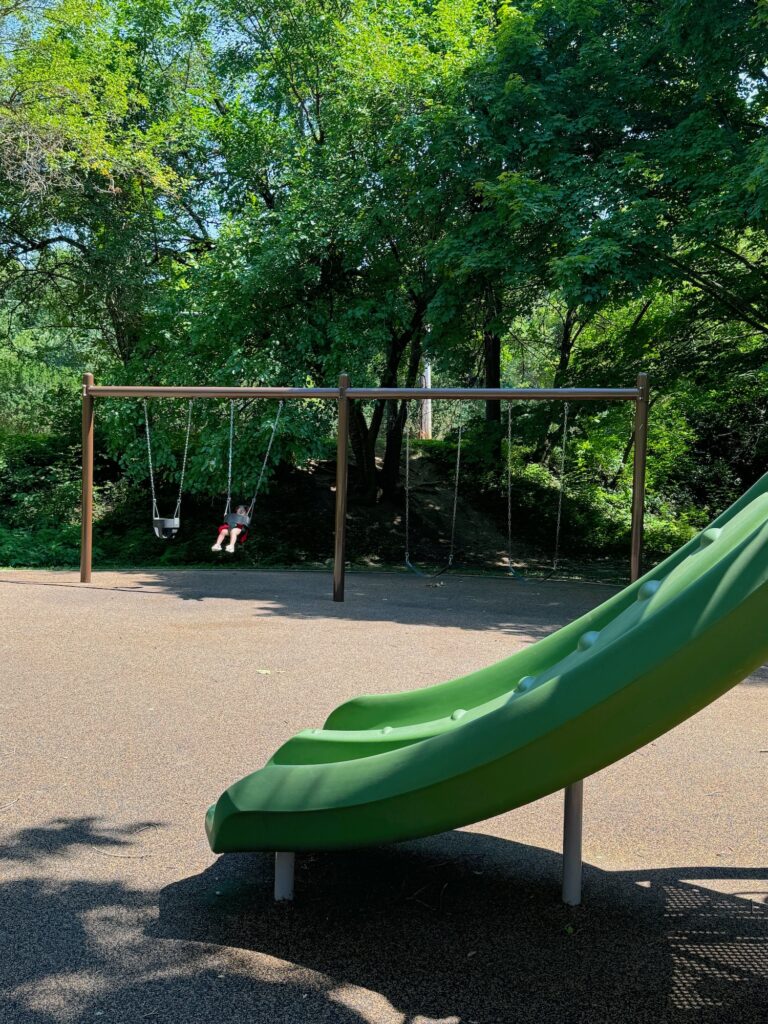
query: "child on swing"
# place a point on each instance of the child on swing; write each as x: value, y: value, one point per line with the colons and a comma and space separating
x: 236, y: 532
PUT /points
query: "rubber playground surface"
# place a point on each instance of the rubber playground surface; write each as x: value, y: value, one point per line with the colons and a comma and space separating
x: 128, y: 705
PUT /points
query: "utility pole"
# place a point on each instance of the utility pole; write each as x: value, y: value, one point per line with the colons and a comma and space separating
x: 425, y: 424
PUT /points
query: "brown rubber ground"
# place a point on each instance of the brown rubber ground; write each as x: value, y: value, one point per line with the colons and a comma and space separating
x: 127, y: 706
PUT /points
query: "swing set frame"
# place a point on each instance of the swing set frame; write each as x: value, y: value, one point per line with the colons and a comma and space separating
x: 343, y: 395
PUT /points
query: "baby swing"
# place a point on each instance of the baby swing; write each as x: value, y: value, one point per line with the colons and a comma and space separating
x: 166, y: 527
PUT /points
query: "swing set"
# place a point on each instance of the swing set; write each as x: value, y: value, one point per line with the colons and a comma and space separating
x: 449, y: 563
x: 166, y: 528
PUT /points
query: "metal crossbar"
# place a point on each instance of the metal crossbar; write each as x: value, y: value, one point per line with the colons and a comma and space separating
x: 416, y: 394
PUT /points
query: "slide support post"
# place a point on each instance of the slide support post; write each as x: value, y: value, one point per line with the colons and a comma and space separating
x: 285, y: 864
x: 573, y: 811
x: 342, y: 477
x: 86, y: 506
x: 638, y: 476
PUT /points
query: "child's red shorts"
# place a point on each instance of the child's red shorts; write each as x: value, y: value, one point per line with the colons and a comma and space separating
x: 241, y: 538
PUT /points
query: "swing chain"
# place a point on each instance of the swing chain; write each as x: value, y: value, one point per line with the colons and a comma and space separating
x: 407, y: 488
x: 556, y: 557
x: 155, y: 513
x: 228, y: 507
x: 510, y: 567
x: 266, y: 458
x: 177, y: 513
x: 148, y: 437
x: 457, y: 472
x: 229, y: 463
x: 455, y: 496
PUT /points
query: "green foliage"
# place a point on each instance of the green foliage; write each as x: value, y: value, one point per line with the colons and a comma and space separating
x: 249, y: 191
x: 38, y: 479
x: 39, y: 493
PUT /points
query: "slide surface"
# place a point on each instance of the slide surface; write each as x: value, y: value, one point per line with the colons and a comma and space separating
x: 398, y: 766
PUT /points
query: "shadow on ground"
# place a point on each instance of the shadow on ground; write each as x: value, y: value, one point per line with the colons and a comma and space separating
x: 462, y: 927
x: 517, y: 607
x: 524, y: 609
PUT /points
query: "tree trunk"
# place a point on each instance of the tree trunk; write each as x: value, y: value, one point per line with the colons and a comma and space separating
x: 492, y: 353
x: 567, y: 339
x: 613, y: 481
x: 390, y: 475
x: 363, y: 435
x: 364, y: 450
x: 492, y: 360
x: 396, y: 428
x: 126, y: 328
x: 568, y: 336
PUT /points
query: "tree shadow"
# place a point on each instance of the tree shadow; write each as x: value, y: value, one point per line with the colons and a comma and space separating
x: 78, y: 949
x: 461, y: 927
x: 759, y: 677
x: 469, y: 927
x: 521, y: 609
x: 61, y: 836
x: 514, y: 607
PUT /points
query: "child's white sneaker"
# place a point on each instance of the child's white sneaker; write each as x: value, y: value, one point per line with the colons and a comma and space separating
x: 216, y: 547
x: 231, y: 548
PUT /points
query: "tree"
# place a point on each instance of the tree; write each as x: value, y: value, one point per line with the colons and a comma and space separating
x: 96, y: 139
x: 330, y: 122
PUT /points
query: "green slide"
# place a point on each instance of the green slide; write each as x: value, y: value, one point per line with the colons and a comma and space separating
x: 399, y: 766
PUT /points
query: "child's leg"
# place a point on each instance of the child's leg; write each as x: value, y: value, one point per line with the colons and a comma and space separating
x: 223, y: 530
x: 233, y: 535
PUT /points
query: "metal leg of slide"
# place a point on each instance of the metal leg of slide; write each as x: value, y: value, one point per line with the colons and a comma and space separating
x: 572, y: 829
x: 284, y: 870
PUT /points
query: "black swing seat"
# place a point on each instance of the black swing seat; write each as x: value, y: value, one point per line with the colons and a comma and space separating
x: 166, y: 528
x: 234, y: 519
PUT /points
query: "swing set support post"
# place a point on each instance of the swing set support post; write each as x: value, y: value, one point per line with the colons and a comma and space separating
x: 342, y: 480
x: 86, y: 523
